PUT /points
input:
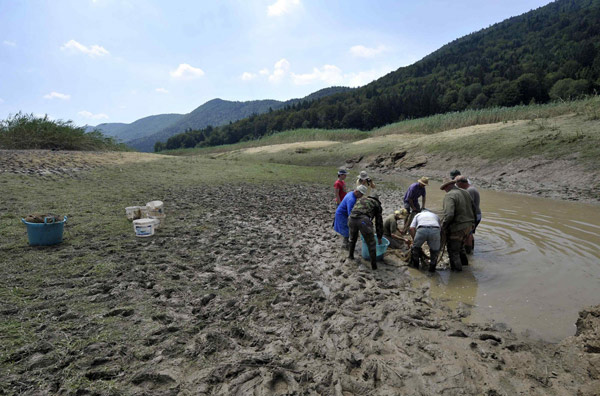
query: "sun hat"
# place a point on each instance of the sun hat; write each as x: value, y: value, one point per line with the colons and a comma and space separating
x: 461, y: 179
x: 447, y: 182
x: 362, y: 189
x: 402, y: 212
x: 424, y: 180
x: 363, y: 175
x: 342, y: 172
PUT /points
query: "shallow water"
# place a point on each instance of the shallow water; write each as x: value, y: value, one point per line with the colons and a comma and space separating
x: 536, y: 263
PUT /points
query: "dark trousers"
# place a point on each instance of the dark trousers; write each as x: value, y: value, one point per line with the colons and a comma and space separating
x: 365, y: 226
x: 456, y: 242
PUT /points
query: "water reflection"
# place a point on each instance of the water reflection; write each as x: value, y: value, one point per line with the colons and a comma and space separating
x: 536, y: 263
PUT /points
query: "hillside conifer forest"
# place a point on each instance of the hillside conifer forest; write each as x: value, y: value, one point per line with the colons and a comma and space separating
x: 552, y: 53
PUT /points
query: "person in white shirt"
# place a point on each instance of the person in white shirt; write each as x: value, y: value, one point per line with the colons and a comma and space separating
x: 425, y: 227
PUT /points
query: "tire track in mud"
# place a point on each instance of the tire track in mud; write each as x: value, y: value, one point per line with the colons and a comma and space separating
x: 245, y: 291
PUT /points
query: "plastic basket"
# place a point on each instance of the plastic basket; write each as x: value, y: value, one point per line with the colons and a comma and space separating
x: 48, y: 233
x: 381, y: 248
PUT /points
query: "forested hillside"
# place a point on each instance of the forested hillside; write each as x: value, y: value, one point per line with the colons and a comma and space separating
x: 219, y: 112
x: 546, y: 54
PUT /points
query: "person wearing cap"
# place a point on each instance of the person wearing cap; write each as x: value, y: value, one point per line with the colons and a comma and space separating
x: 366, y: 209
x: 463, y: 182
x: 363, y: 179
x: 390, y: 228
x: 457, y: 223
x: 411, y: 200
x: 339, y: 187
x: 340, y: 223
x: 425, y: 227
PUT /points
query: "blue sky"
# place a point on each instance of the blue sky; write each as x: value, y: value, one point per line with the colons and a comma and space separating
x: 95, y: 61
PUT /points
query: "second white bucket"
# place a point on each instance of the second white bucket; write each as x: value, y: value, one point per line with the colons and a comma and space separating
x: 144, y: 227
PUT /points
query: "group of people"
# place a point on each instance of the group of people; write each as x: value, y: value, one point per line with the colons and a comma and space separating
x: 461, y: 214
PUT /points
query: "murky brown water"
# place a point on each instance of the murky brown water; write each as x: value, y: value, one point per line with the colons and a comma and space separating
x: 536, y: 263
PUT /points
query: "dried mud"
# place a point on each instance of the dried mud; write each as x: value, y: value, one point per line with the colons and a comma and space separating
x: 255, y: 297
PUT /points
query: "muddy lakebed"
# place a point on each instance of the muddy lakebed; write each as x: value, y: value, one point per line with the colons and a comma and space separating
x: 245, y: 291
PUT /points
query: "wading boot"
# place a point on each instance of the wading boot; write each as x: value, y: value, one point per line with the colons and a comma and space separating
x: 351, y: 248
x: 463, y: 258
x: 415, y: 256
x: 345, y: 243
x: 433, y: 254
x: 373, y: 255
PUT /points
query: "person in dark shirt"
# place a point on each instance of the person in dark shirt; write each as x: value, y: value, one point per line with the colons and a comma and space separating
x: 411, y: 200
x: 365, y: 210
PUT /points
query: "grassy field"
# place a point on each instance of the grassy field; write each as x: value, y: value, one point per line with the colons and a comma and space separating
x: 46, y: 293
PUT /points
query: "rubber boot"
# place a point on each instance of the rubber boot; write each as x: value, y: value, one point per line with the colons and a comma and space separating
x: 373, y: 256
x: 351, y: 248
x: 463, y: 258
x: 345, y: 243
x: 416, y: 256
x: 433, y: 254
x: 455, y: 263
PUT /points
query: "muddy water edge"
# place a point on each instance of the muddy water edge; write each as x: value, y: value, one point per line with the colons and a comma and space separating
x: 536, y: 262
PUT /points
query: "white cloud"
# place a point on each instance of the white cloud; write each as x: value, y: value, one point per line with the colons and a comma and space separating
x: 329, y: 74
x: 187, y: 72
x: 91, y: 116
x: 281, y: 7
x: 93, y: 51
x: 280, y: 69
x: 57, y: 95
x: 360, y: 51
x: 161, y: 90
x: 362, y: 78
x: 9, y: 43
x: 264, y: 72
x: 246, y: 76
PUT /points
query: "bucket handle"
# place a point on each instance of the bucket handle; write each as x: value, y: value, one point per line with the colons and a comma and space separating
x: 23, y: 220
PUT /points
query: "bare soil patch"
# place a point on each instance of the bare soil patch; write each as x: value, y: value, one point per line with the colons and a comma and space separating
x: 47, y: 162
x: 281, y: 147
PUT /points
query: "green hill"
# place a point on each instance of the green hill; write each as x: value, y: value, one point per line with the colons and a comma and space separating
x: 551, y: 53
x: 219, y: 112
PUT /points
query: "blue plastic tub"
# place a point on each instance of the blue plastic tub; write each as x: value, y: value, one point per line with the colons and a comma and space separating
x: 380, y: 248
x: 48, y: 233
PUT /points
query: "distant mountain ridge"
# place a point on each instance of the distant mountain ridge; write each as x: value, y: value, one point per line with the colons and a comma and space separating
x: 145, y: 132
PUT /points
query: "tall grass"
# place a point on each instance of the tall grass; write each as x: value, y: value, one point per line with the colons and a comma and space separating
x: 589, y: 107
x: 26, y: 132
x: 293, y: 136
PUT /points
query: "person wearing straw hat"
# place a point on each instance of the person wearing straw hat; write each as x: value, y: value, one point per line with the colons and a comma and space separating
x: 363, y: 179
x: 340, y: 222
x: 365, y: 210
x: 458, y: 221
x: 411, y: 200
x: 339, y: 187
x: 390, y: 228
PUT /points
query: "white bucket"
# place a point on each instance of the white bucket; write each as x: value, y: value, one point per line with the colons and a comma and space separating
x: 144, y: 227
x: 132, y: 212
x: 158, y: 221
x: 144, y: 211
x: 155, y: 208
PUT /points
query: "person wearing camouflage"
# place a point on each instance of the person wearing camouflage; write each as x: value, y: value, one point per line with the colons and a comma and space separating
x: 365, y: 210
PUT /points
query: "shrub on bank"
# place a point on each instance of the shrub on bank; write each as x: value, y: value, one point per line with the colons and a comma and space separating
x: 28, y: 132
